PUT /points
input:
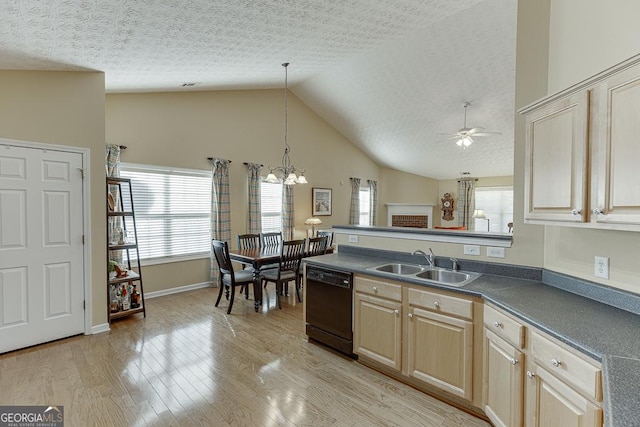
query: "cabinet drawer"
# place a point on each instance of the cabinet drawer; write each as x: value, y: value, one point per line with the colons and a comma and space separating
x: 441, y: 303
x: 504, y: 326
x: 387, y: 290
x: 573, y: 369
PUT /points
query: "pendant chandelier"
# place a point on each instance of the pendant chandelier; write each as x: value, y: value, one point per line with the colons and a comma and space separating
x: 287, y: 171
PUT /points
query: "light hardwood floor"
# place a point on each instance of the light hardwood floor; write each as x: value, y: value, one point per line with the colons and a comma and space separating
x: 189, y: 363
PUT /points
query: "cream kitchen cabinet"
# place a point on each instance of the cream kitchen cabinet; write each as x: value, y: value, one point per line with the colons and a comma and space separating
x: 440, y: 341
x: 503, y: 373
x: 582, y: 153
x: 377, y: 332
x: 419, y: 334
x: 562, y: 387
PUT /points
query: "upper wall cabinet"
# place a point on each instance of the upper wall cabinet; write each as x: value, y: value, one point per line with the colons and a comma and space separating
x: 583, y: 153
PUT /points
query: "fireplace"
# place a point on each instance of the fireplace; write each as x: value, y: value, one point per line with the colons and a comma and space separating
x: 409, y: 215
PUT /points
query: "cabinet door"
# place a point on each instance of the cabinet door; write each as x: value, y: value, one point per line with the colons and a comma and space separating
x: 503, y: 376
x: 378, y: 329
x: 440, y: 351
x: 616, y: 151
x: 556, y: 161
x: 551, y: 403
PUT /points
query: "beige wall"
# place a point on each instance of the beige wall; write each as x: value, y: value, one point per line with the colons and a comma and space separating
x: 183, y: 129
x: 588, y: 36
x: 401, y: 187
x: 64, y: 108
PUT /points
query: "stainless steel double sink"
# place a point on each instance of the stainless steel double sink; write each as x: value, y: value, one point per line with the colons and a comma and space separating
x: 438, y: 275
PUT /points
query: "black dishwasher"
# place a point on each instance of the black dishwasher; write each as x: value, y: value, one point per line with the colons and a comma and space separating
x: 329, y: 299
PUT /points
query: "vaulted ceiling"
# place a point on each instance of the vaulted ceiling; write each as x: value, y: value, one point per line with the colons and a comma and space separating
x: 390, y: 75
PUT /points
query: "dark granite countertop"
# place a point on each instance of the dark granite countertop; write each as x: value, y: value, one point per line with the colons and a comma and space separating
x: 601, y: 331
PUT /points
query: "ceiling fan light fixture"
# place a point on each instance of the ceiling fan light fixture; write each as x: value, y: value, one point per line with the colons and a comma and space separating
x: 466, y: 141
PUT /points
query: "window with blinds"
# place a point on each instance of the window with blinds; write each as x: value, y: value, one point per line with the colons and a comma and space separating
x: 173, y: 211
x: 365, y: 215
x: 497, y: 204
x: 271, y: 206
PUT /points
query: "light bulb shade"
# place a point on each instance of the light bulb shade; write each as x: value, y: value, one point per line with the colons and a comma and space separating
x: 292, y: 177
x: 301, y: 179
x: 272, y: 178
x: 478, y: 213
x: 312, y: 221
x: 459, y: 142
x: 466, y: 141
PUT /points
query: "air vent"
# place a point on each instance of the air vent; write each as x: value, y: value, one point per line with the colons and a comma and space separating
x: 190, y: 84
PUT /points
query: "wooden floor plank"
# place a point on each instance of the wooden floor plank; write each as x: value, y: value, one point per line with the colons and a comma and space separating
x: 189, y: 363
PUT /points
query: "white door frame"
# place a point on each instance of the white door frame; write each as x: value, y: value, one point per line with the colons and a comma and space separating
x: 86, y: 215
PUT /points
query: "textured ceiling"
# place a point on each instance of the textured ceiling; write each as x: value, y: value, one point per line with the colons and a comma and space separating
x: 388, y: 74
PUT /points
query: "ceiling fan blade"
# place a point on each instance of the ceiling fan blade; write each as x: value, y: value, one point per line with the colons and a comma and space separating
x: 487, y: 133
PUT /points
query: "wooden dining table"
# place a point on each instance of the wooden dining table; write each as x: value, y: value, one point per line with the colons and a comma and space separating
x: 256, y: 258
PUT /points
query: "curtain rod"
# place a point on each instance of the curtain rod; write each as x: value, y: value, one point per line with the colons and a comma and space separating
x: 211, y: 159
x: 247, y: 164
x: 468, y: 179
x: 122, y: 147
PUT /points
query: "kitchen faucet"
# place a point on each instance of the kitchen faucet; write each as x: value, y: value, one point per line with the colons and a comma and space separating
x: 430, y: 258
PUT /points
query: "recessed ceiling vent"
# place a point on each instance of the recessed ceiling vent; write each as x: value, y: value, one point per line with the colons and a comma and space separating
x: 190, y: 84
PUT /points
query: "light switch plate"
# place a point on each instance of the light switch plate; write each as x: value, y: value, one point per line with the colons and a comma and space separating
x: 353, y: 238
x: 495, y: 252
x: 601, y: 267
x: 471, y: 250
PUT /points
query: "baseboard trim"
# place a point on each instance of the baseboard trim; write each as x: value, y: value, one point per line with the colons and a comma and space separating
x: 98, y: 329
x: 185, y: 288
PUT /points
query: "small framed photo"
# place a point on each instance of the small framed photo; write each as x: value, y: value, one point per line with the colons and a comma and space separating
x: 321, y: 199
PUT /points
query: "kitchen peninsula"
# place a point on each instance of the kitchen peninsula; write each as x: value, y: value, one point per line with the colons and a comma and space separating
x: 590, y: 322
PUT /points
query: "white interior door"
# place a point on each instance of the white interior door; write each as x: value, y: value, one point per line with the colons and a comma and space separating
x: 41, y: 248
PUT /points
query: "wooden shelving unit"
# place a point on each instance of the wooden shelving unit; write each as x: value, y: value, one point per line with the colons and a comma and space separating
x: 125, y: 294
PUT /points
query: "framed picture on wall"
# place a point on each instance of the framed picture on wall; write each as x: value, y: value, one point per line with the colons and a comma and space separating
x: 321, y: 200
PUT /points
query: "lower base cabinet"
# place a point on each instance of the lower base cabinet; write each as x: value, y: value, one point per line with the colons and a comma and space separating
x: 426, y: 336
x: 440, y: 350
x: 503, y: 379
x: 552, y: 403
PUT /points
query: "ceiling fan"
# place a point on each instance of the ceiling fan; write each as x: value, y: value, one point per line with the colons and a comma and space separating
x: 465, y: 135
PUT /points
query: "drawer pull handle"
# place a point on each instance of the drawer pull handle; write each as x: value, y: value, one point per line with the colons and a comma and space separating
x: 513, y: 361
x: 396, y: 312
x: 497, y: 324
x: 556, y: 362
x: 436, y: 304
x: 410, y: 315
x: 530, y: 375
x: 375, y: 289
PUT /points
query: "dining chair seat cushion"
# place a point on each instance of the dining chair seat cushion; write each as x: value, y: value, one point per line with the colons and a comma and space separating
x: 242, y: 276
x: 272, y: 275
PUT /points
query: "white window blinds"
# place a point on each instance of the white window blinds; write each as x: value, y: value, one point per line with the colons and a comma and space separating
x: 271, y: 204
x: 365, y: 215
x: 172, y: 209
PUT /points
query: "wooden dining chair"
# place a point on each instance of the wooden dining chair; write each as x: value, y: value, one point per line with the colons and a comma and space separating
x: 248, y: 241
x: 288, y: 267
x: 316, y: 245
x: 328, y: 234
x: 271, y: 239
x: 229, y: 278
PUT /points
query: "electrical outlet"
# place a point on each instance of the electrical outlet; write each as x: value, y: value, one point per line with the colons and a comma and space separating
x: 495, y: 252
x: 602, y: 267
x: 471, y: 250
x: 353, y: 238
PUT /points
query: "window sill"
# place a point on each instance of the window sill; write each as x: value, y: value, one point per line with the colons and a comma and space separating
x: 169, y: 260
